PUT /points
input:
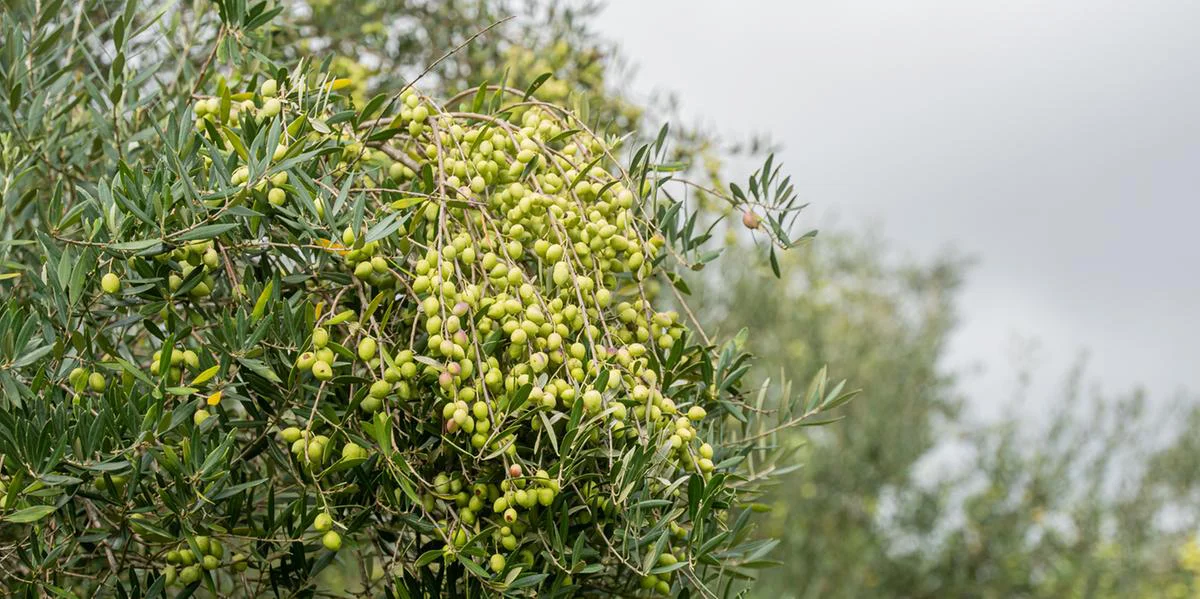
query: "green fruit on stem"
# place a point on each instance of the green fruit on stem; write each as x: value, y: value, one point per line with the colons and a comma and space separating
x: 239, y: 562
x: 96, y: 382
x: 322, y: 370
x: 110, y: 283
x: 322, y: 522
x: 306, y: 360
x: 380, y: 389
x: 270, y: 108
x: 496, y: 562
x: 332, y: 540
x: 190, y: 575
x: 78, y: 377
x: 320, y: 337
x: 353, y: 451
x: 366, y: 349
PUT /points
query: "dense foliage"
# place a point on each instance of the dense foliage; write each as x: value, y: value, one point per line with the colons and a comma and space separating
x: 259, y: 324
x: 98, y: 114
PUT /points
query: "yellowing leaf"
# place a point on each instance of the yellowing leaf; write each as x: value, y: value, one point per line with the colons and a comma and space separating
x: 214, y: 399
x: 333, y: 246
x: 406, y: 203
x: 203, y: 377
x: 260, y: 306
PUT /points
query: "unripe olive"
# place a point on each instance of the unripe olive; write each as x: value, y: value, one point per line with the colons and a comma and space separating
x: 189, y: 575
x: 291, y: 433
x: 316, y: 452
x: 270, y: 108
x: 277, y: 196
x: 96, y: 382
x: 200, y: 416
x: 322, y: 370
x: 332, y: 540
x: 201, y: 289
x: 322, y: 522
x: 496, y: 563
x: 269, y: 88
x: 380, y: 389
x: 211, y: 563
x: 169, y: 575
x: 367, y: 348
x: 696, y: 413
x: 78, y: 377
x: 306, y: 360
x: 110, y: 283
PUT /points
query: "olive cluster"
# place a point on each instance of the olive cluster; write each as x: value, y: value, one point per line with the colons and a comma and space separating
x: 81, y: 379
x: 186, y: 259
x: 178, y: 360
x: 516, y: 306
x: 196, y: 555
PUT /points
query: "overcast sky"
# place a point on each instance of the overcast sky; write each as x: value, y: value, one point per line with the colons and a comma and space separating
x: 1057, y: 141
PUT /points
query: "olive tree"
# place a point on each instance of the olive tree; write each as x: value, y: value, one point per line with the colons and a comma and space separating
x: 1068, y: 494
x: 262, y: 319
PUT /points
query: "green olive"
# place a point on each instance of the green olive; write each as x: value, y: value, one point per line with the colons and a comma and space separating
x: 496, y: 563
x: 322, y: 370
x: 332, y: 540
x: 190, y: 575
x: 323, y: 522
x: 200, y: 416
x: 110, y: 283
x: 96, y: 382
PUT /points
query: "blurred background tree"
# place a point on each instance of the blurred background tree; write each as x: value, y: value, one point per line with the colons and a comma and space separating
x: 1092, y: 497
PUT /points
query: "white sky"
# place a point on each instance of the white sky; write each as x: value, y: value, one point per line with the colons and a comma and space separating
x: 1057, y: 141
